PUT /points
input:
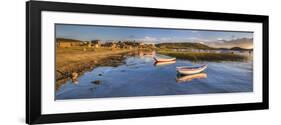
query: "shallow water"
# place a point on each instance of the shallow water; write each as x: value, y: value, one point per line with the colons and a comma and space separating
x: 139, y: 76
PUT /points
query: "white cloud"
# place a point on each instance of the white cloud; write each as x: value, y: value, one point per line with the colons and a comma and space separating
x: 193, y: 38
x: 202, y: 42
x: 165, y: 39
x: 219, y: 39
x: 147, y: 38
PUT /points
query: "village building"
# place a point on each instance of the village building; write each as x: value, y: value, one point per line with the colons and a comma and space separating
x: 146, y: 45
x: 109, y: 44
x: 87, y: 43
x: 96, y: 43
x: 65, y: 43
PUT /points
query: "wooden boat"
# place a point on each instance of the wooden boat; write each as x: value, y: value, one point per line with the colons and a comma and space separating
x: 164, y: 59
x: 187, y: 70
x: 187, y: 78
x: 164, y: 63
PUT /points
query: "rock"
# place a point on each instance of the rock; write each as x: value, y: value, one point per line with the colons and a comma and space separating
x: 74, y: 75
x: 75, y: 82
x: 97, y: 82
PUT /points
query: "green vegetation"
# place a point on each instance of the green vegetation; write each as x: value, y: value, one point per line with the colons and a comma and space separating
x: 183, y: 46
x: 167, y: 49
x: 203, y: 56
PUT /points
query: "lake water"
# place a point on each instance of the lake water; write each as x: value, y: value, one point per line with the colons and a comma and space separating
x: 139, y: 76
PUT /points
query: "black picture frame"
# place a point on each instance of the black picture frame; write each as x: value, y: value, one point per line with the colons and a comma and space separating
x: 33, y: 61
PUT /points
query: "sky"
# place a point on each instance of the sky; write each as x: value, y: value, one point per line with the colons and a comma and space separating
x: 154, y: 35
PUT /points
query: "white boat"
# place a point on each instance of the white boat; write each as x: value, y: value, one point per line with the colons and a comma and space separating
x: 187, y: 70
x: 187, y: 78
x: 164, y: 63
x: 164, y: 59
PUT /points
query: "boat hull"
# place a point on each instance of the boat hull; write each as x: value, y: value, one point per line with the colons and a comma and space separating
x: 164, y: 63
x: 164, y: 60
x: 189, y: 71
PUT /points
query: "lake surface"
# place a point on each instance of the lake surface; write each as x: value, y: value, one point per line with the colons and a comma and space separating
x: 139, y: 76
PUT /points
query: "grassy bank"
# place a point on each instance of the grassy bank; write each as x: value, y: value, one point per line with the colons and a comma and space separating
x: 203, y: 56
x: 80, y: 59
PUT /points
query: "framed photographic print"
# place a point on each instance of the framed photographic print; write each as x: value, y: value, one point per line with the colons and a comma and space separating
x: 95, y: 62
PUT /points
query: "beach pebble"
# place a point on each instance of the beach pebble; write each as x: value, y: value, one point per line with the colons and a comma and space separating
x: 96, y: 82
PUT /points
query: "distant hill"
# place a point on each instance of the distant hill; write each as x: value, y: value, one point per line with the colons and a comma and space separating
x: 183, y: 46
x: 241, y: 42
x: 239, y: 48
x: 67, y: 40
x: 223, y: 48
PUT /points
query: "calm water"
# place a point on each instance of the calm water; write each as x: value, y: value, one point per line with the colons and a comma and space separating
x: 139, y: 76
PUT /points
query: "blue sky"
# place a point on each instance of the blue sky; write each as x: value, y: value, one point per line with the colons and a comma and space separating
x: 87, y: 32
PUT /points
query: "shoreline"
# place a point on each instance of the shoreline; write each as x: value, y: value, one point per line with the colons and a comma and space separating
x: 73, y: 60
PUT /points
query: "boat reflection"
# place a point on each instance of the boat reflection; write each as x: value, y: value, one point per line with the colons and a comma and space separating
x: 147, y: 53
x: 164, y: 63
x: 186, y: 78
